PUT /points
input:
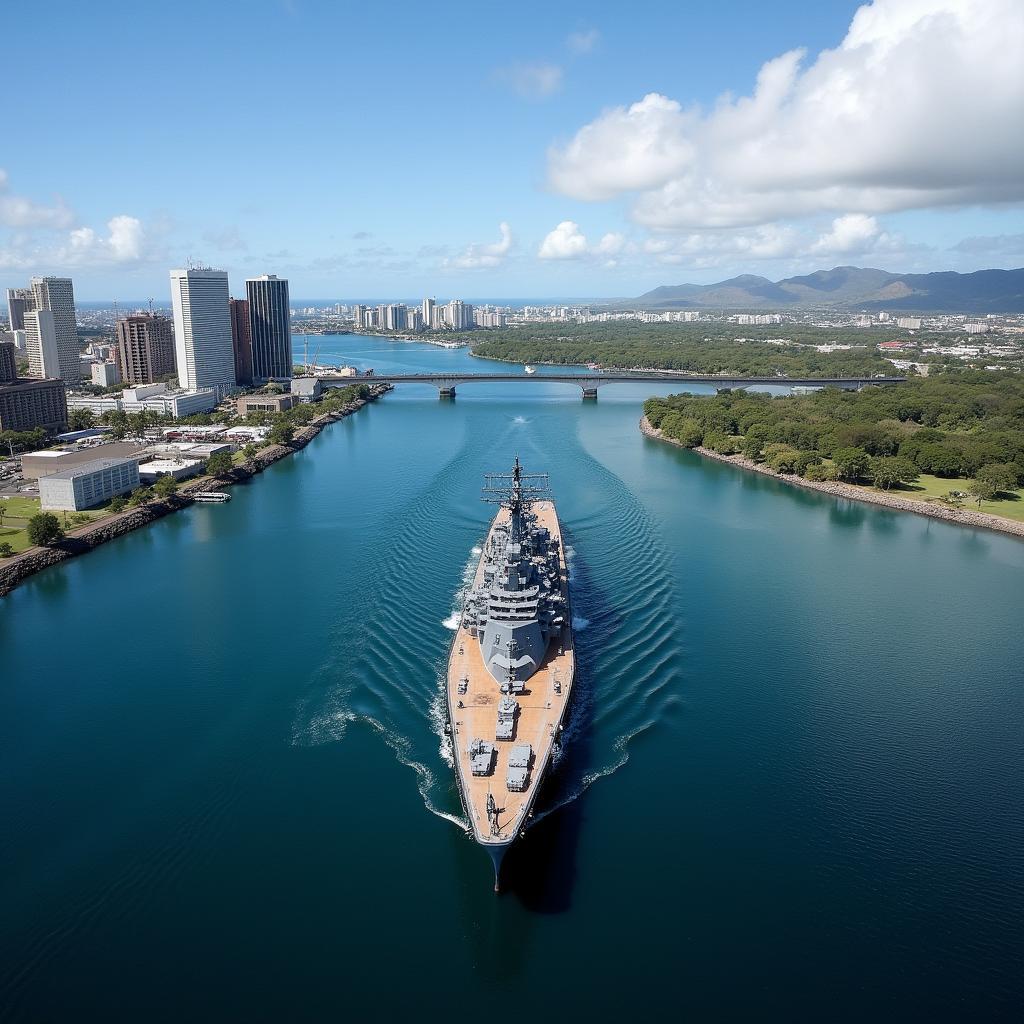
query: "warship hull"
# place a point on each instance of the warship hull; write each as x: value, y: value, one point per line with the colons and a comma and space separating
x: 498, y: 815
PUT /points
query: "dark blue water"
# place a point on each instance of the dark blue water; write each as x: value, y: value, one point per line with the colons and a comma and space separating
x: 791, y: 791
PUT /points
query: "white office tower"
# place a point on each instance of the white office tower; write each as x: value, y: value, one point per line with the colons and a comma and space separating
x: 459, y: 315
x: 270, y: 327
x: 428, y: 312
x: 394, y: 319
x: 57, y: 295
x: 41, y: 343
x: 202, y: 330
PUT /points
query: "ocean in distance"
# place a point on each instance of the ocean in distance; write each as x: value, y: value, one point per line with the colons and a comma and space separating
x: 791, y: 787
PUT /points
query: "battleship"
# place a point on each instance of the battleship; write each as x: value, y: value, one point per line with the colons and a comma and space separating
x: 512, y: 663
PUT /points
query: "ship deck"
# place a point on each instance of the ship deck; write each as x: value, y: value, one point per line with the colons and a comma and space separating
x: 542, y: 711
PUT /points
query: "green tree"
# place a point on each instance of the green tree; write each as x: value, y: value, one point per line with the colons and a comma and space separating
x: 118, y: 503
x: 118, y: 422
x: 140, y: 496
x: 1001, y: 476
x: 137, y: 423
x: 249, y: 451
x: 44, y: 528
x: 781, y: 458
x: 720, y: 442
x: 219, y: 464
x: 891, y: 471
x: 819, y: 472
x: 281, y: 433
x: 850, y: 463
x: 754, y: 441
x: 804, y: 461
x: 80, y: 419
x: 6, y: 550
x: 165, y: 486
x: 981, y: 490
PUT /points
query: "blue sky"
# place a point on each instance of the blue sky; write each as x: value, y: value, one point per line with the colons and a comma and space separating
x: 492, y: 150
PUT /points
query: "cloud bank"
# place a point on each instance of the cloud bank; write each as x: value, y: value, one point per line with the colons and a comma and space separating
x: 919, y: 106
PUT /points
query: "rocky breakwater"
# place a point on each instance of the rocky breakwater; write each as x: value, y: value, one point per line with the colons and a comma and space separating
x: 84, y: 538
x: 960, y: 516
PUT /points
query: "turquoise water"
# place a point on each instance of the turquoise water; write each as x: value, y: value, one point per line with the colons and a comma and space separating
x: 791, y: 789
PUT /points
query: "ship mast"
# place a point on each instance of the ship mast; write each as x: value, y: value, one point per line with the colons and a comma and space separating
x: 515, y: 491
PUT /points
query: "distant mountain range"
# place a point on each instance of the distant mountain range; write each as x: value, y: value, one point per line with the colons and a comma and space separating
x: 853, y: 288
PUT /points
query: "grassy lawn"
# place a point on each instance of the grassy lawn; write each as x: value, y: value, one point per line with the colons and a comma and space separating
x: 931, y: 488
x: 18, y: 509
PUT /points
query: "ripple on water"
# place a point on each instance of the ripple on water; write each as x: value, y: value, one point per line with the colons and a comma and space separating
x: 390, y: 674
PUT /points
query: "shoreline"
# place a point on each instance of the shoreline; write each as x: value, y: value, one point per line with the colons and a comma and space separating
x: 835, y: 489
x: 79, y: 541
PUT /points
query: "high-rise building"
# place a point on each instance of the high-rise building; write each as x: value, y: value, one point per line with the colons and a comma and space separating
x: 427, y: 310
x: 458, y: 315
x: 145, y: 348
x: 202, y: 329
x: 19, y: 302
x: 413, y: 320
x: 41, y: 344
x: 58, y: 296
x: 241, y: 340
x: 27, y: 404
x: 105, y: 374
x: 8, y: 363
x: 270, y: 327
x: 394, y: 317
x: 359, y: 316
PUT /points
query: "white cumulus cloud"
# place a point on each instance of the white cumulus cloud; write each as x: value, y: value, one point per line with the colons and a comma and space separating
x: 567, y: 242
x: 918, y: 106
x: 480, y: 254
x: 853, y: 233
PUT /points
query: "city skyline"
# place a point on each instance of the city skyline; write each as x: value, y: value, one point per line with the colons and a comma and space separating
x: 595, y: 157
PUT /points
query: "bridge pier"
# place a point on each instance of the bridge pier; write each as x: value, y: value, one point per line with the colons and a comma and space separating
x: 590, y: 394
x: 446, y: 394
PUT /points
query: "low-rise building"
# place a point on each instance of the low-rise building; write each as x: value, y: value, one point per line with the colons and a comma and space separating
x: 265, y: 403
x: 190, y: 450
x: 35, y: 465
x: 88, y: 485
x: 307, y: 389
x: 152, y: 397
x: 180, y: 469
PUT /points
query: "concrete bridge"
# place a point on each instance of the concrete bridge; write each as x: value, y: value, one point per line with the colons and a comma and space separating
x: 446, y: 383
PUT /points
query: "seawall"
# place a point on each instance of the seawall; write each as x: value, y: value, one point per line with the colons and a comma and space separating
x: 962, y: 517
x: 85, y: 538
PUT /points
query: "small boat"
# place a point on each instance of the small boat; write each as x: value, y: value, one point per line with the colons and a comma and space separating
x: 211, y: 496
x: 530, y: 369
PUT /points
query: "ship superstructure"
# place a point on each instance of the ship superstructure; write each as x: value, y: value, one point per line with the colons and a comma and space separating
x: 512, y: 664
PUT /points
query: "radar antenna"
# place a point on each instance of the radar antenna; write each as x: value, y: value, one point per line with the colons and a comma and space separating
x: 515, y: 491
